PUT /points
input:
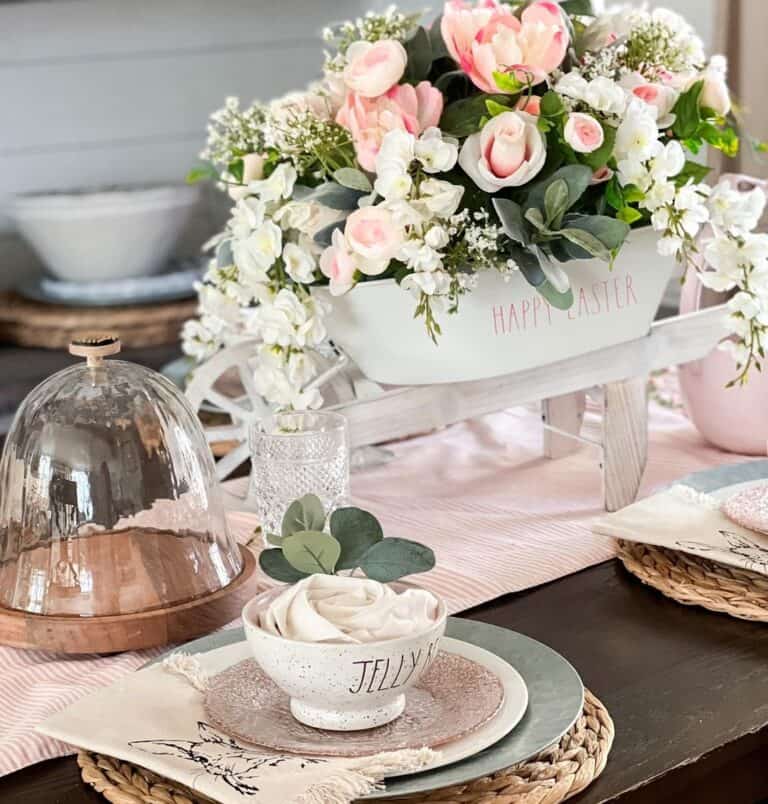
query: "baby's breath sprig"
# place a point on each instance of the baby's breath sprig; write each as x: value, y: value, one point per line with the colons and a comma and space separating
x: 234, y: 132
x: 373, y: 27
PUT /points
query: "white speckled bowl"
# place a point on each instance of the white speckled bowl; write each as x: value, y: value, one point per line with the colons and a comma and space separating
x: 342, y: 687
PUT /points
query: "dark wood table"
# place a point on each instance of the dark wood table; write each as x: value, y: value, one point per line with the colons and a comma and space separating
x: 688, y: 691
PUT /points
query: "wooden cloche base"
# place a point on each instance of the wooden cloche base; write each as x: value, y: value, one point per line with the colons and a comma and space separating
x: 147, y: 629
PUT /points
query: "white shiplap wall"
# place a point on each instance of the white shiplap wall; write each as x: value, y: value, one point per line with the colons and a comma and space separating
x: 100, y: 92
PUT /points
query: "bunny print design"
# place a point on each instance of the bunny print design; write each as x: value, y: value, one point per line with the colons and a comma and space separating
x: 220, y: 756
x: 753, y: 555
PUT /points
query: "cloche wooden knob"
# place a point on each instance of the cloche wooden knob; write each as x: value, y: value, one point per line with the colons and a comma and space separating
x: 95, y: 346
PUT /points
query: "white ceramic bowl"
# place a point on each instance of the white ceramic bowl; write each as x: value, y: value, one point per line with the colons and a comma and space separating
x: 83, y: 237
x: 342, y: 687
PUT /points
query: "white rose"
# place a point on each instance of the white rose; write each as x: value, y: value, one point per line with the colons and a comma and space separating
x: 508, y: 152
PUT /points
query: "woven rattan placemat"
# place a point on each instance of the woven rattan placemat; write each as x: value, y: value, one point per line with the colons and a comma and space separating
x: 697, y: 581
x: 559, y: 772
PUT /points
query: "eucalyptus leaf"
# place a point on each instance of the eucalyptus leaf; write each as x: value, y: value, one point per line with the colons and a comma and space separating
x: 534, y: 217
x: 353, y: 179
x: 312, y: 551
x: 274, y: 564
x: 274, y: 539
x: 511, y: 217
x: 306, y: 513
x: 356, y: 531
x: 562, y: 301
x: 419, y: 49
x: 578, y: 7
x: 391, y: 559
x: 556, y: 202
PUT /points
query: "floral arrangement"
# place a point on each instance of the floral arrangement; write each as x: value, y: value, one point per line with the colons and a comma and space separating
x: 354, y: 540
x: 510, y: 137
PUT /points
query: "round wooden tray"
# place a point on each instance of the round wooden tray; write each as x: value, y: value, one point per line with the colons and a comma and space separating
x: 52, y: 326
x: 554, y: 775
x: 147, y: 629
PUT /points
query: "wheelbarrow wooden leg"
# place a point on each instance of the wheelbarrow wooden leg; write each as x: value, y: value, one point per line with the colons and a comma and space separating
x: 625, y: 440
x: 562, y: 417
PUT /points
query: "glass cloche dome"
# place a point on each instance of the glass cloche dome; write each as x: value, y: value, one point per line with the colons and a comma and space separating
x: 109, y: 504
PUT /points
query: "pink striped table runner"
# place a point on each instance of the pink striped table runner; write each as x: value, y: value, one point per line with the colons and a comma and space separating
x: 499, y: 516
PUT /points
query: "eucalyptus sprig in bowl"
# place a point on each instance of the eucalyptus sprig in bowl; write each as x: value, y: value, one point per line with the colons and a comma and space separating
x: 353, y: 540
x: 342, y: 641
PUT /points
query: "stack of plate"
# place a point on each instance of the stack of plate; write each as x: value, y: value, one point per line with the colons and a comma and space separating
x: 493, y: 699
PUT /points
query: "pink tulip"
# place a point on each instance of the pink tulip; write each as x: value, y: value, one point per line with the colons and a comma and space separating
x: 488, y: 38
x: 412, y: 109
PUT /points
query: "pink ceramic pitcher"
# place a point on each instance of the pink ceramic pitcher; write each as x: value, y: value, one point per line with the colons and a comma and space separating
x: 734, y: 419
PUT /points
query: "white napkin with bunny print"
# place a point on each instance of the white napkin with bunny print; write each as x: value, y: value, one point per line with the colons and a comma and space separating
x: 155, y: 719
x: 682, y: 518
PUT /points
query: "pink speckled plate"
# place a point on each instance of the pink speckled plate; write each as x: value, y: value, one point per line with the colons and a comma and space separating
x: 749, y: 507
x: 455, y: 697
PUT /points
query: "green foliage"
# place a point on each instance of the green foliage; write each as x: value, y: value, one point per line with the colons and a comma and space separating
x: 391, y: 559
x: 507, y: 82
x: 576, y: 177
x: 418, y: 46
x: 462, y: 117
x: 439, y: 49
x: 578, y: 7
x: 356, y: 531
x: 311, y: 551
x: 355, y: 541
x: 629, y: 215
x: 552, y: 104
x: 334, y: 195
x: 686, y: 111
x: 599, y: 157
x: 495, y: 108
x: 556, y: 202
x: 511, y: 217
x: 204, y: 172
x: 274, y: 564
x: 561, y: 301
x: 692, y: 170
x: 528, y: 263
x: 353, y: 179
x: 305, y: 514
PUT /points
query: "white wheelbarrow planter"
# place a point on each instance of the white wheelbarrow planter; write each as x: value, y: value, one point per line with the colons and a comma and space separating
x: 502, y: 326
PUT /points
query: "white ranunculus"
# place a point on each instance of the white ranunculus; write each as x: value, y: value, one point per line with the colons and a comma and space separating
x: 440, y: 197
x: 436, y: 153
x: 278, y: 185
x: 255, y: 254
x: 299, y: 265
